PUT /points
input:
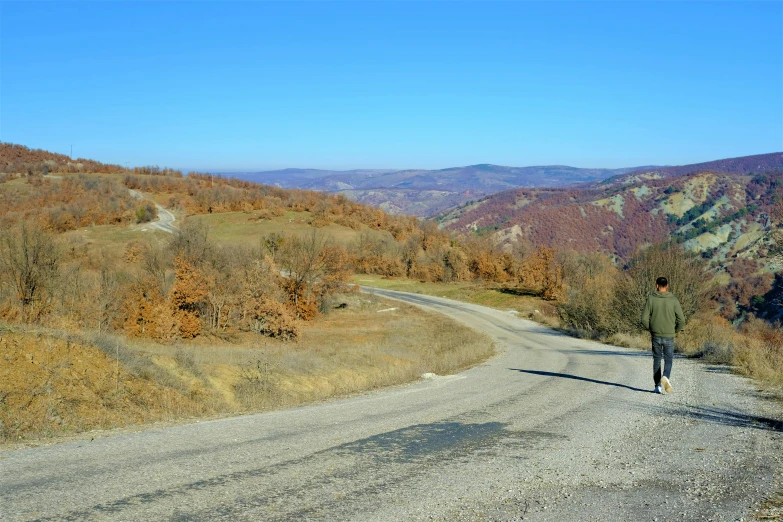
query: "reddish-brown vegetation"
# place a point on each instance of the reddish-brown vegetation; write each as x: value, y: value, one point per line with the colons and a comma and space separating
x: 69, y: 203
x: 741, y: 165
x: 619, y: 219
x: 18, y: 159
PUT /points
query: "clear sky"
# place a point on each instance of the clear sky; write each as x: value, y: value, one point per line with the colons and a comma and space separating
x: 262, y: 85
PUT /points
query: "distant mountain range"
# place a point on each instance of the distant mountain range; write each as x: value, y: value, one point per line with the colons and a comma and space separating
x: 427, y: 192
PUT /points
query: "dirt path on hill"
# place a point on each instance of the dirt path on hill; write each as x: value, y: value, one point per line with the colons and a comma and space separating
x: 552, y: 428
x: 165, y: 220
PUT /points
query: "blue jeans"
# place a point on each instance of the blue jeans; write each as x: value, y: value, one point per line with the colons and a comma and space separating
x: 662, y: 347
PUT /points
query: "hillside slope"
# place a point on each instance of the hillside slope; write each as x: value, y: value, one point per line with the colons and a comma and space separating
x: 740, y: 165
x: 722, y: 215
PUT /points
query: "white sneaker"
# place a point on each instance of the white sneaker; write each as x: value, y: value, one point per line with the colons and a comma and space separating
x: 666, y: 384
x: 658, y: 390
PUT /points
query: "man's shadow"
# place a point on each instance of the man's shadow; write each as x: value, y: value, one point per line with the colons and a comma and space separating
x: 577, y: 378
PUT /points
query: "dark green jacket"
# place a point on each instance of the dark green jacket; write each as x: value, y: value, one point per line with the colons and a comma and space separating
x: 662, y: 315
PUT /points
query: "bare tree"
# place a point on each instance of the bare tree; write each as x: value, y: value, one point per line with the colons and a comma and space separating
x: 29, y: 261
x: 688, y: 281
x: 192, y: 241
x: 303, y: 265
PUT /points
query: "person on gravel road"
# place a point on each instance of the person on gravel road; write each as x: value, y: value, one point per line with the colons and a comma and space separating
x: 663, y: 317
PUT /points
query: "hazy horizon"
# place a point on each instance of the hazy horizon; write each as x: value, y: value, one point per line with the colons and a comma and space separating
x: 372, y: 168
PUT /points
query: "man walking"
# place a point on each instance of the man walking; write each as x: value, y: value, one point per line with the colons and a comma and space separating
x: 663, y: 317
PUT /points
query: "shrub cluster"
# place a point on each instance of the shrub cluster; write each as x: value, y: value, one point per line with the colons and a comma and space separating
x: 608, y: 300
x: 70, y: 203
x: 182, y: 289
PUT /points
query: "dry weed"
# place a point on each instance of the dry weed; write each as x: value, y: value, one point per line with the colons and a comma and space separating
x: 58, y: 382
x: 54, y: 385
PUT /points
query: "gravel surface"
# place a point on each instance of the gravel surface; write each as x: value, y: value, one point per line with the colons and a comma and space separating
x: 552, y: 428
x: 165, y: 219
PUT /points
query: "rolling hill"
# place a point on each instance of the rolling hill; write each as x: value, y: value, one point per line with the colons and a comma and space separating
x: 741, y: 165
x: 721, y: 209
x: 426, y: 192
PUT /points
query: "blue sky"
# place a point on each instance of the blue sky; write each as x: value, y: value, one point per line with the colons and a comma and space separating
x: 262, y: 85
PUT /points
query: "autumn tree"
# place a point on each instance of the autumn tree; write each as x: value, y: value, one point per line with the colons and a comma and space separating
x: 272, y: 243
x: 543, y: 272
x: 224, y: 286
x: 589, y: 289
x: 141, y: 307
x: 192, y: 241
x: 29, y: 262
x: 262, y: 308
x: 456, y: 265
x: 146, y: 213
x: 187, y: 296
x: 377, y: 252
x: 313, y: 268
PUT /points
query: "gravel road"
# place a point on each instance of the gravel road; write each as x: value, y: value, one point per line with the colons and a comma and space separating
x: 552, y: 428
x: 165, y: 219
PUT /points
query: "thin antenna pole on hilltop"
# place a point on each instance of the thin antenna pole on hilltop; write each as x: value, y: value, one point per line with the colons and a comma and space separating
x: 71, y: 151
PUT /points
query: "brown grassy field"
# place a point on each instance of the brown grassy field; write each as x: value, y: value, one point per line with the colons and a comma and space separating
x: 56, y: 383
x: 111, y: 239
x: 230, y: 228
x: 245, y: 227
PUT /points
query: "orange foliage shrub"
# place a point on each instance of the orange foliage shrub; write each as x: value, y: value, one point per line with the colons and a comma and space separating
x: 133, y: 252
x: 189, y: 292
x: 141, y: 304
x: 456, y: 265
x: 301, y: 300
x: 424, y: 271
x: 275, y: 320
x: 544, y: 273
x: 487, y: 267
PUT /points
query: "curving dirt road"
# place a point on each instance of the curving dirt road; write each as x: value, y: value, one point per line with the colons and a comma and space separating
x: 165, y: 220
x: 552, y: 428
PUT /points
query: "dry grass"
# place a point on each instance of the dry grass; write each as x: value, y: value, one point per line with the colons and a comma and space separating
x: 755, y: 350
x: 350, y: 350
x: 639, y: 341
x: 56, y: 383
x: 494, y: 296
x: 771, y: 509
x: 244, y: 227
x: 18, y: 185
x: 228, y: 228
x: 111, y: 239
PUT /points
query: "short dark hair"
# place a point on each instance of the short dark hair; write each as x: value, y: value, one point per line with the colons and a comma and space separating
x: 662, y: 282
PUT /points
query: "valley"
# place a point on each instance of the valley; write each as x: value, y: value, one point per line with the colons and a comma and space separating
x: 391, y: 261
x: 178, y: 302
x: 424, y: 193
